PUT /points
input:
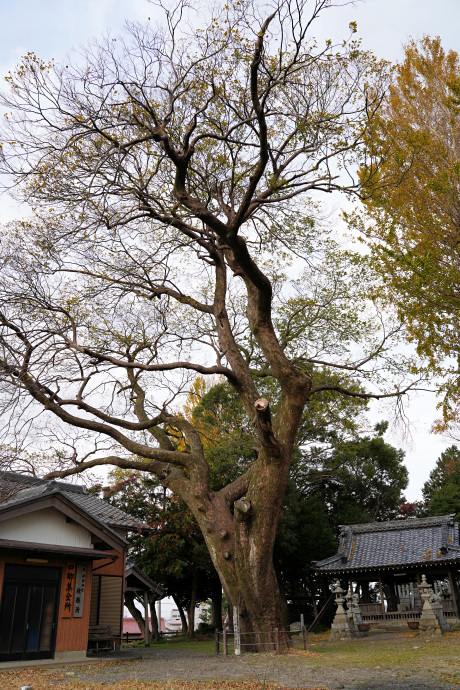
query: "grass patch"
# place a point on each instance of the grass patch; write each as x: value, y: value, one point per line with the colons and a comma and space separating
x: 403, y: 650
x: 201, y: 644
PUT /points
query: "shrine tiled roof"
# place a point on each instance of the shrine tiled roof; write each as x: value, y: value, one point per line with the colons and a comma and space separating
x: 394, y: 544
x: 16, y: 487
x: 136, y: 579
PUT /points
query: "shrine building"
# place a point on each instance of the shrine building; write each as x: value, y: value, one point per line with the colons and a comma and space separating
x: 383, y: 562
x: 62, y: 567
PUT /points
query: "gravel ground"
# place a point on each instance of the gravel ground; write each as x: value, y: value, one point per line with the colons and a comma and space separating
x: 379, y: 662
x: 288, y: 673
x: 432, y: 664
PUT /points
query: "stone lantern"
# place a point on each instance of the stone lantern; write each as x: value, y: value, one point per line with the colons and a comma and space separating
x: 341, y: 626
x: 432, y: 617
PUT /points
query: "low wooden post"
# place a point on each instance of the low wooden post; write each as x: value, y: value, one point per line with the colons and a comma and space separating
x: 225, y: 642
x: 304, y: 635
x: 216, y: 640
x: 277, y: 641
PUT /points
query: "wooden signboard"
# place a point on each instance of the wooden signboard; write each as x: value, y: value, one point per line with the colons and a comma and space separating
x: 69, y: 587
x: 79, y: 598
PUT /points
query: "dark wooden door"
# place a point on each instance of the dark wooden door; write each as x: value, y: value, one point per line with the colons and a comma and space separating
x: 28, y: 612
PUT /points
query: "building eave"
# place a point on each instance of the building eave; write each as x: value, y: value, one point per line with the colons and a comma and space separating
x: 397, y: 566
x: 55, y: 499
x: 76, y: 551
x: 133, y: 573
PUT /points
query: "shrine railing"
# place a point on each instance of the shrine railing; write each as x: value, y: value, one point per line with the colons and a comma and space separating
x: 392, y: 616
x: 448, y: 607
x: 375, y: 612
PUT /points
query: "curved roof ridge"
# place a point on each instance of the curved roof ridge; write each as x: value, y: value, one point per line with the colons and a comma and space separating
x: 408, y: 523
x: 18, y: 488
x: 395, y: 544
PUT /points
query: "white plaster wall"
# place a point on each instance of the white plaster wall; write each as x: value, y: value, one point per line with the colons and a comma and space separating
x: 47, y: 526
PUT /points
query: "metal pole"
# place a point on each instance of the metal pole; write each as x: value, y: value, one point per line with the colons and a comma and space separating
x: 225, y: 642
x: 277, y: 641
x: 216, y: 640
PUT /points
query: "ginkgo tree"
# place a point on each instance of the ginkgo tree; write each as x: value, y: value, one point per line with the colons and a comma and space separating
x: 413, y: 224
x: 174, y: 177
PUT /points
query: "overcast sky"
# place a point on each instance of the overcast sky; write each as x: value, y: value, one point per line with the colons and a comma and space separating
x: 52, y: 28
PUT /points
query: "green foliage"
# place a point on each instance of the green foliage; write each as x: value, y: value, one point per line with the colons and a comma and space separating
x: 339, y: 475
x: 175, y: 553
x: 226, y: 432
x: 360, y: 481
x: 305, y: 534
x: 442, y: 491
x: 338, y: 478
x: 412, y: 224
x: 445, y: 501
x: 329, y: 420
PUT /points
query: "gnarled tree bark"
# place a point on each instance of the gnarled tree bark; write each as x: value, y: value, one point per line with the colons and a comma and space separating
x: 181, y: 167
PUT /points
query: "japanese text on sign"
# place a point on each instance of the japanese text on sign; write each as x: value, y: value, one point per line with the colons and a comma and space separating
x: 69, y: 586
x: 79, y: 591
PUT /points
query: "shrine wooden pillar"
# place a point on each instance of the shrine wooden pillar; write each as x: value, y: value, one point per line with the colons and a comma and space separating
x: 454, y: 590
x: 365, y: 597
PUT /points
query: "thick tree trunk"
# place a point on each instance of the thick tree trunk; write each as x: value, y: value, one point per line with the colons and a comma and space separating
x: 182, y: 616
x: 216, y: 607
x: 154, y: 622
x: 136, y: 614
x: 241, y: 546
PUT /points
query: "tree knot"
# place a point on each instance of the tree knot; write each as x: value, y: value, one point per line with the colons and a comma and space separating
x: 243, y: 509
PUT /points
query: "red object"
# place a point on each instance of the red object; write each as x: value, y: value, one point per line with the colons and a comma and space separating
x: 130, y: 626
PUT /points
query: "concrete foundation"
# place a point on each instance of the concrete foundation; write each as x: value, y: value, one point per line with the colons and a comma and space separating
x: 70, y: 656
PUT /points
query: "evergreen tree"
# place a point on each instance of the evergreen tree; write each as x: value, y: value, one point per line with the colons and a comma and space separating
x: 442, y: 490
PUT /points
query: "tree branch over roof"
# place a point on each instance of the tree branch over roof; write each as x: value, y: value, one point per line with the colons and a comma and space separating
x: 174, y: 232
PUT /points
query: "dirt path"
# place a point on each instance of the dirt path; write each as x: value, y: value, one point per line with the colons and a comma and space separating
x: 397, y: 663
x: 298, y: 670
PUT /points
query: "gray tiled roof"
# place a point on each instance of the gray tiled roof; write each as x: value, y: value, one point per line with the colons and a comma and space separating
x: 105, y: 512
x: 11, y: 483
x: 15, y: 487
x: 393, y: 544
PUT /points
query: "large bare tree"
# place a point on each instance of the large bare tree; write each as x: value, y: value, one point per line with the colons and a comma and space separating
x: 173, y: 177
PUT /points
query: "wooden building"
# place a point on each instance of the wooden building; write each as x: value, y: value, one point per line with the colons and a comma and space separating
x: 62, y: 566
x: 383, y: 562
